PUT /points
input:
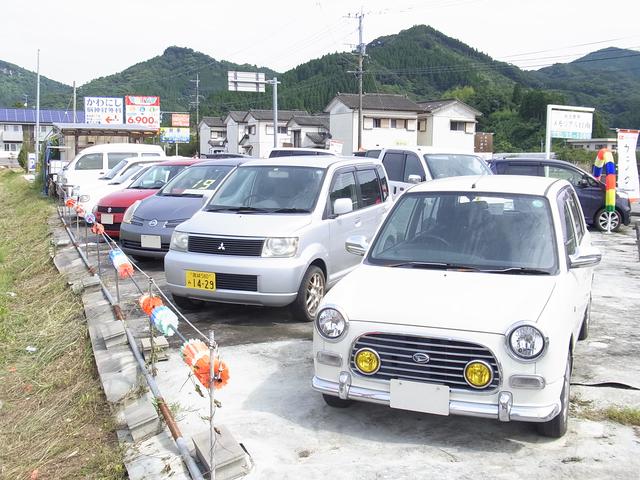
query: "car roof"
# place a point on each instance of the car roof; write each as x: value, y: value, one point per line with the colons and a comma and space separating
x: 531, y: 159
x: 316, y: 161
x: 121, y: 147
x: 303, y: 149
x: 178, y: 161
x: 230, y: 161
x: 428, y: 150
x: 510, y: 184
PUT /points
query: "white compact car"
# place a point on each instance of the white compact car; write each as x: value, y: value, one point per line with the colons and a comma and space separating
x: 469, y: 301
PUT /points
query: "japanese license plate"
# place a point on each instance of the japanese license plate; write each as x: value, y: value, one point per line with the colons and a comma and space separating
x: 106, y: 218
x: 419, y: 397
x: 150, y: 241
x: 201, y: 280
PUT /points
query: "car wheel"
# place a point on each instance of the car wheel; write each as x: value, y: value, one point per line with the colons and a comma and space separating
x: 187, y: 304
x: 557, y: 427
x: 602, y: 217
x: 584, y: 330
x: 336, y: 402
x: 310, y: 294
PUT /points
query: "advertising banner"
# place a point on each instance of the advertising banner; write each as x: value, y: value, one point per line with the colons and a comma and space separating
x: 104, y: 110
x: 175, y: 135
x: 143, y: 111
x: 627, y: 167
x: 179, y: 119
x: 571, y: 124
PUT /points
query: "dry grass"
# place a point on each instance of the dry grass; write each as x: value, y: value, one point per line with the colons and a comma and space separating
x: 622, y: 415
x: 53, y: 416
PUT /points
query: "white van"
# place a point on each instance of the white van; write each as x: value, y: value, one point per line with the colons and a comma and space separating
x: 95, y: 161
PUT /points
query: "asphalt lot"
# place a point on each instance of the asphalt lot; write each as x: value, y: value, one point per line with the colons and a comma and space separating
x: 290, y: 433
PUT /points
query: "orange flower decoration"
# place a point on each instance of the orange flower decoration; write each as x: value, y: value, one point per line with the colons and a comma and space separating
x: 70, y: 203
x: 220, y: 372
x: 97, y: 228
x: 79, y: 210
x: 149, y: 302
x: 125, y: 270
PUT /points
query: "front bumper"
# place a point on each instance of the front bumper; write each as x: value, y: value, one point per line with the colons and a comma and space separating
x: 131, y: 239
x: 504, y: 410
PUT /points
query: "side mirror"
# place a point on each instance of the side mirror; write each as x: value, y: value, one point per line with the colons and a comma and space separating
x: 583, y: 182
x: 357, y: 244
x: 415, y: 179
x: 586, y: 257
x: 342, y: 206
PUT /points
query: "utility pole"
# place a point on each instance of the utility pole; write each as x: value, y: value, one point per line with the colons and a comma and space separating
x: 275, y: 82
x: 361, y: 49
x: 37, y: 133
x: 75, y: 99
x: 26, y: 100
x: 197, y: 105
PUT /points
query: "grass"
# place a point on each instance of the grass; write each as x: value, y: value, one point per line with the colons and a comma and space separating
x: 622, y: 415
x: 54, y: 420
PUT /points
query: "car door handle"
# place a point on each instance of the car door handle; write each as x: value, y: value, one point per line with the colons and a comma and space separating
x: 401, y: 189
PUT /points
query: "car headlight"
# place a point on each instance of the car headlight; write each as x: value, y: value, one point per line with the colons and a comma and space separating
x: 128, y: 214
x: 526, y: 342
x: 84, y: 198
x: 280, y: 247
x: 179, y: 241
x: 330, y: 323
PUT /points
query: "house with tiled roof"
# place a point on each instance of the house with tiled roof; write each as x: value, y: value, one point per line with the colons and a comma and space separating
x: 235, y: 125
x: 447, y: 123
x: 258, y: 138
x: 309, y: 131
x: 213, y: 135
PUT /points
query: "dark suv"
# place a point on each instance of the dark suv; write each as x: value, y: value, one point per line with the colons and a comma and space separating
x: 590, y: 191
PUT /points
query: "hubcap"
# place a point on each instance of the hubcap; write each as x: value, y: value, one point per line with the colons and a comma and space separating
x: 315, y: 292
x: 604, y: 219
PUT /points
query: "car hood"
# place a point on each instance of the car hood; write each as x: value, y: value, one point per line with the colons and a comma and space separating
x: 124, y: 198
x: 168, y: 208
x: 245, y: 225
x: 453, y: 300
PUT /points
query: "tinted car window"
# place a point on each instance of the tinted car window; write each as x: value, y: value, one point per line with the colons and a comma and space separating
x: 453, y: 165
x: 394, y: 165
x: 344, y: 187
x: 196, y: 179
x: 156, y: 177
x: 526, y: 169
x: 91, y: 161
x: 578, y: 217
x: 369, y: 187
x: 383, y: 182
x: 572, y: 176
x: 372, y: 153
x: 114, y: 158
x: 413, y: 167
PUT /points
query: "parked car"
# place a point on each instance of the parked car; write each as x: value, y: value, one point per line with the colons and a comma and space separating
x: 469, y: 301
x: 297, y: 152
x: 223, y: 155
x: 111, y: 208
x: 590, y: 191
x: 147, y: 225
x: 273, y: 233
x: 373, y: 153
x: 407, y: 166
x: 93, y: 162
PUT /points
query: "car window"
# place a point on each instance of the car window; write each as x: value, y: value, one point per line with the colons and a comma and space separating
x: 527, y: 169
x: 151, y: 155
x: 413, y: 167
x: 383, y: 182
x: 572, y: 176
x: 156, y: 176
x: 91, y: 161
x: 394, y: 165
x: 568, y: 227
x: 454, y: 165
x: 372, y: 153
x: 369, y: 187
x: 578, y: 217
x: 114, y: 158
x: 344, y: 187
x: 196, y: 179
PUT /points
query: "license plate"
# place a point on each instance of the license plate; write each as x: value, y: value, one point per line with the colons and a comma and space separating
x: 106, y: 218
x: 201, y: 280
x: 150, y: 241
x: 419, y: 397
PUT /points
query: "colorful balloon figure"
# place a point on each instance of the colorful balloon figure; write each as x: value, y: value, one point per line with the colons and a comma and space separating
x: 97, y: 228
x: 164, y: 320
x: 121, y: 263
x: 605, y: 160
x: 195, y: 353
x: 89, y: 218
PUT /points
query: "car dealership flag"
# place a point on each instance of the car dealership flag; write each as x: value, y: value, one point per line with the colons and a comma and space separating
x: 627, y: 167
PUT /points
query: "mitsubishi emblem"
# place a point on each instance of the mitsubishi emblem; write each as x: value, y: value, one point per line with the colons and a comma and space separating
x: 221, y: 247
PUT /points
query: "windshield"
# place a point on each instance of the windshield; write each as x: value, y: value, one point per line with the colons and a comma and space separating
x: 194, y: 181
x: 282, y: 189
x: 452, y: 165
x: 154, y: 178
x: 114, y: 171
x: 498, y: 233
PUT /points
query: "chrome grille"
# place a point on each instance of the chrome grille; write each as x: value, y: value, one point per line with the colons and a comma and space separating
x: 447, y: 359
x: 226, y: 246
x: 104, y: 209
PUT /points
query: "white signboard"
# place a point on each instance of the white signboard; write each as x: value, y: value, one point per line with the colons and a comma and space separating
x: 335, y: 146
x: 175, y: 134
x: 103, y: 110
x: 571, y: 124
x: 143, y: 111
x: 627, y: 167
x: 246, y: 81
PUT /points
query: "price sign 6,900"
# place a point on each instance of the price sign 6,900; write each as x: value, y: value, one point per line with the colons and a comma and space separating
x: 141, y: 120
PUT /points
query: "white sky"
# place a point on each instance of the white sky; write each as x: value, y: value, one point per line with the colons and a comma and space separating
x: 84, y: 39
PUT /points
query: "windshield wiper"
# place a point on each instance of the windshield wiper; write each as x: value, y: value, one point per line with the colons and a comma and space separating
x: 290, y: 210
x: 242, y: 209
x: 519, y: 270
x: 433, y: 265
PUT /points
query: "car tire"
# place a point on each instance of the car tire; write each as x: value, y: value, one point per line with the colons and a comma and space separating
x: 336, y: 402
x: 584, y: 330
x: 600, y: 220
x: 187, y: 304
x: 557, y: 426
x: 310, y: 293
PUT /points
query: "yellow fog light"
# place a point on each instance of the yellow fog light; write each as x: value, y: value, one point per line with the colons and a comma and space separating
x: 478, y: 374
x: 367, y: 361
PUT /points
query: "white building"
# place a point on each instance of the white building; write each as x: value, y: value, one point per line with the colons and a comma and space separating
x: 235, y: 125
x: 595, y: 144
x: 449, y: 124
x: 213, y: 135
x: 309, y: 131
x: 258, y: 138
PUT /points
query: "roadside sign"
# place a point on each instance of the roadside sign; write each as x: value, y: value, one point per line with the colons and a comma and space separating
x: 335, y: 146
x: 143, y: 110
x: 175, y: 135
x: 246, y: 81
x: 566, y: 121
x: 179, y: 119
x: 103, y: 110
x: 627, y: 166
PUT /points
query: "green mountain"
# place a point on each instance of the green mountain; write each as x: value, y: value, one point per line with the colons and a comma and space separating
x: 16, y: 82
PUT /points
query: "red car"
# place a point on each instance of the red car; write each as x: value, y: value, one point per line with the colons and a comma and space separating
x: 110, y: 209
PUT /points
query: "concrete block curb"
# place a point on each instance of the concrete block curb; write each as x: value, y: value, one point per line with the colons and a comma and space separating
x: 142, y: 419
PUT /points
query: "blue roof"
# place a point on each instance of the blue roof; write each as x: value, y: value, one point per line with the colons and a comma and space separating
x: 28, y: 115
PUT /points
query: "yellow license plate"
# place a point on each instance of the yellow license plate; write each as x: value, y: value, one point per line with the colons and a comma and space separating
x: 201, y: 280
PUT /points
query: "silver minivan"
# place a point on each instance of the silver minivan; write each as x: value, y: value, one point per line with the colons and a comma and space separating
x: 274, y: 232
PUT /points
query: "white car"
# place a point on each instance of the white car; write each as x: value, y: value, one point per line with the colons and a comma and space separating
x: 469, y: 301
